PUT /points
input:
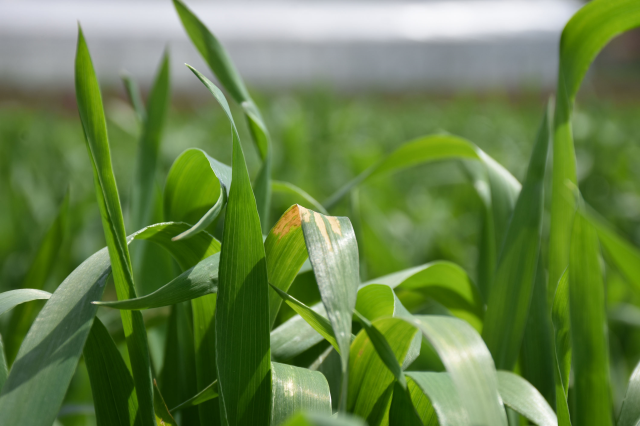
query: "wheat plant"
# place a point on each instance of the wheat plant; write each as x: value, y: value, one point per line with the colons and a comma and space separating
x: 523, y: 342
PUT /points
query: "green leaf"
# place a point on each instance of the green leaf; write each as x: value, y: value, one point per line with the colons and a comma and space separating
x: 196, y: 282
x: 522, y: 397
x: 196, y: 190
x: 95, y: 131
x: 402, y: 410
x: 469, y: 363
x: 333, y: 252
x: 443, y: 396
x: 584, y: 36
x: 630, y: 411
x: 495, y: 186
x: 295, y: 389
x: 444, y: 282
x: 590, y: 352
x: 163, y: 416
x: 311, y: 419
x: 221, y: 65
x: 51, y: 349
x: 114, y: 397
x: 12, y: 298
x: 370, y: 379
x: 562, y: 326
x: 510, y: 297
x: 37, y: 275
x: 286, y: 252
x: 149, y: 146
x: 50, y: 352
x: 243, y: 377
x: 319, y: 323
x: 537, y: 357
x: 133, y: 92
x: 304, y: 198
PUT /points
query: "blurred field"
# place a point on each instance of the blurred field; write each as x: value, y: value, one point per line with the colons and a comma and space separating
x: 321, y: 140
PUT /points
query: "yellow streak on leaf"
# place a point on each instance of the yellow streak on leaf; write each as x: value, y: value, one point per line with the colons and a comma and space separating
x: 287, y: 223
x: 323, y: 229
x: 335, y: 225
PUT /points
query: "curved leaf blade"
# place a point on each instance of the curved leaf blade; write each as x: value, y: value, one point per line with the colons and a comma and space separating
x: 522, y: 397
x: 445, y: 400
x: 12, y: 298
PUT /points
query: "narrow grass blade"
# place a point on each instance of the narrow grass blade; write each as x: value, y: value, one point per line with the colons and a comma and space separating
x: 562, y: 326
x: 537, y: 356
x: 244, y: 378
x: 630, y: 411
x: 95, y: 130
x: 443, y: 396
x: 207, y: 394
x: 221, y: 65
x: 149, y: 146
x: 333, y: 252
x: 522, y: 397
x: 295, y: 389
x: 295, y: 336
x: 319, y: 323
x: 196, y: 190
x: 584, y: 36
x: 590, y: 352
x: 37, y: 275
x: 196, y: 282
x: 135, y: 97
x: 12, y: 298
x: 370, y: 379
x: 469, y: 363
x: 114, y: 396
x: 304, y: 198
x: 510, y: 297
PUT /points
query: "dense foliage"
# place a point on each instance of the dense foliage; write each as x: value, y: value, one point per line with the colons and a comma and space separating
x: 526, y: 340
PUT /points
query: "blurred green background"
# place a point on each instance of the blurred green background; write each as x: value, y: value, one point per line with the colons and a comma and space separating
x: 321, y: 140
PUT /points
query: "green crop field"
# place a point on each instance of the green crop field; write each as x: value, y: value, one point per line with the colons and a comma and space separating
x: 314, y: 259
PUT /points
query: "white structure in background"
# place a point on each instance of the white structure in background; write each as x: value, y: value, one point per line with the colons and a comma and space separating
x: 352, y: 45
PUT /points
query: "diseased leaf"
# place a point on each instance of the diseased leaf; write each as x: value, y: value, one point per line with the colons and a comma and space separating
x: 519, y: 395
x: 590, y: 348
x: 512, y: 288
